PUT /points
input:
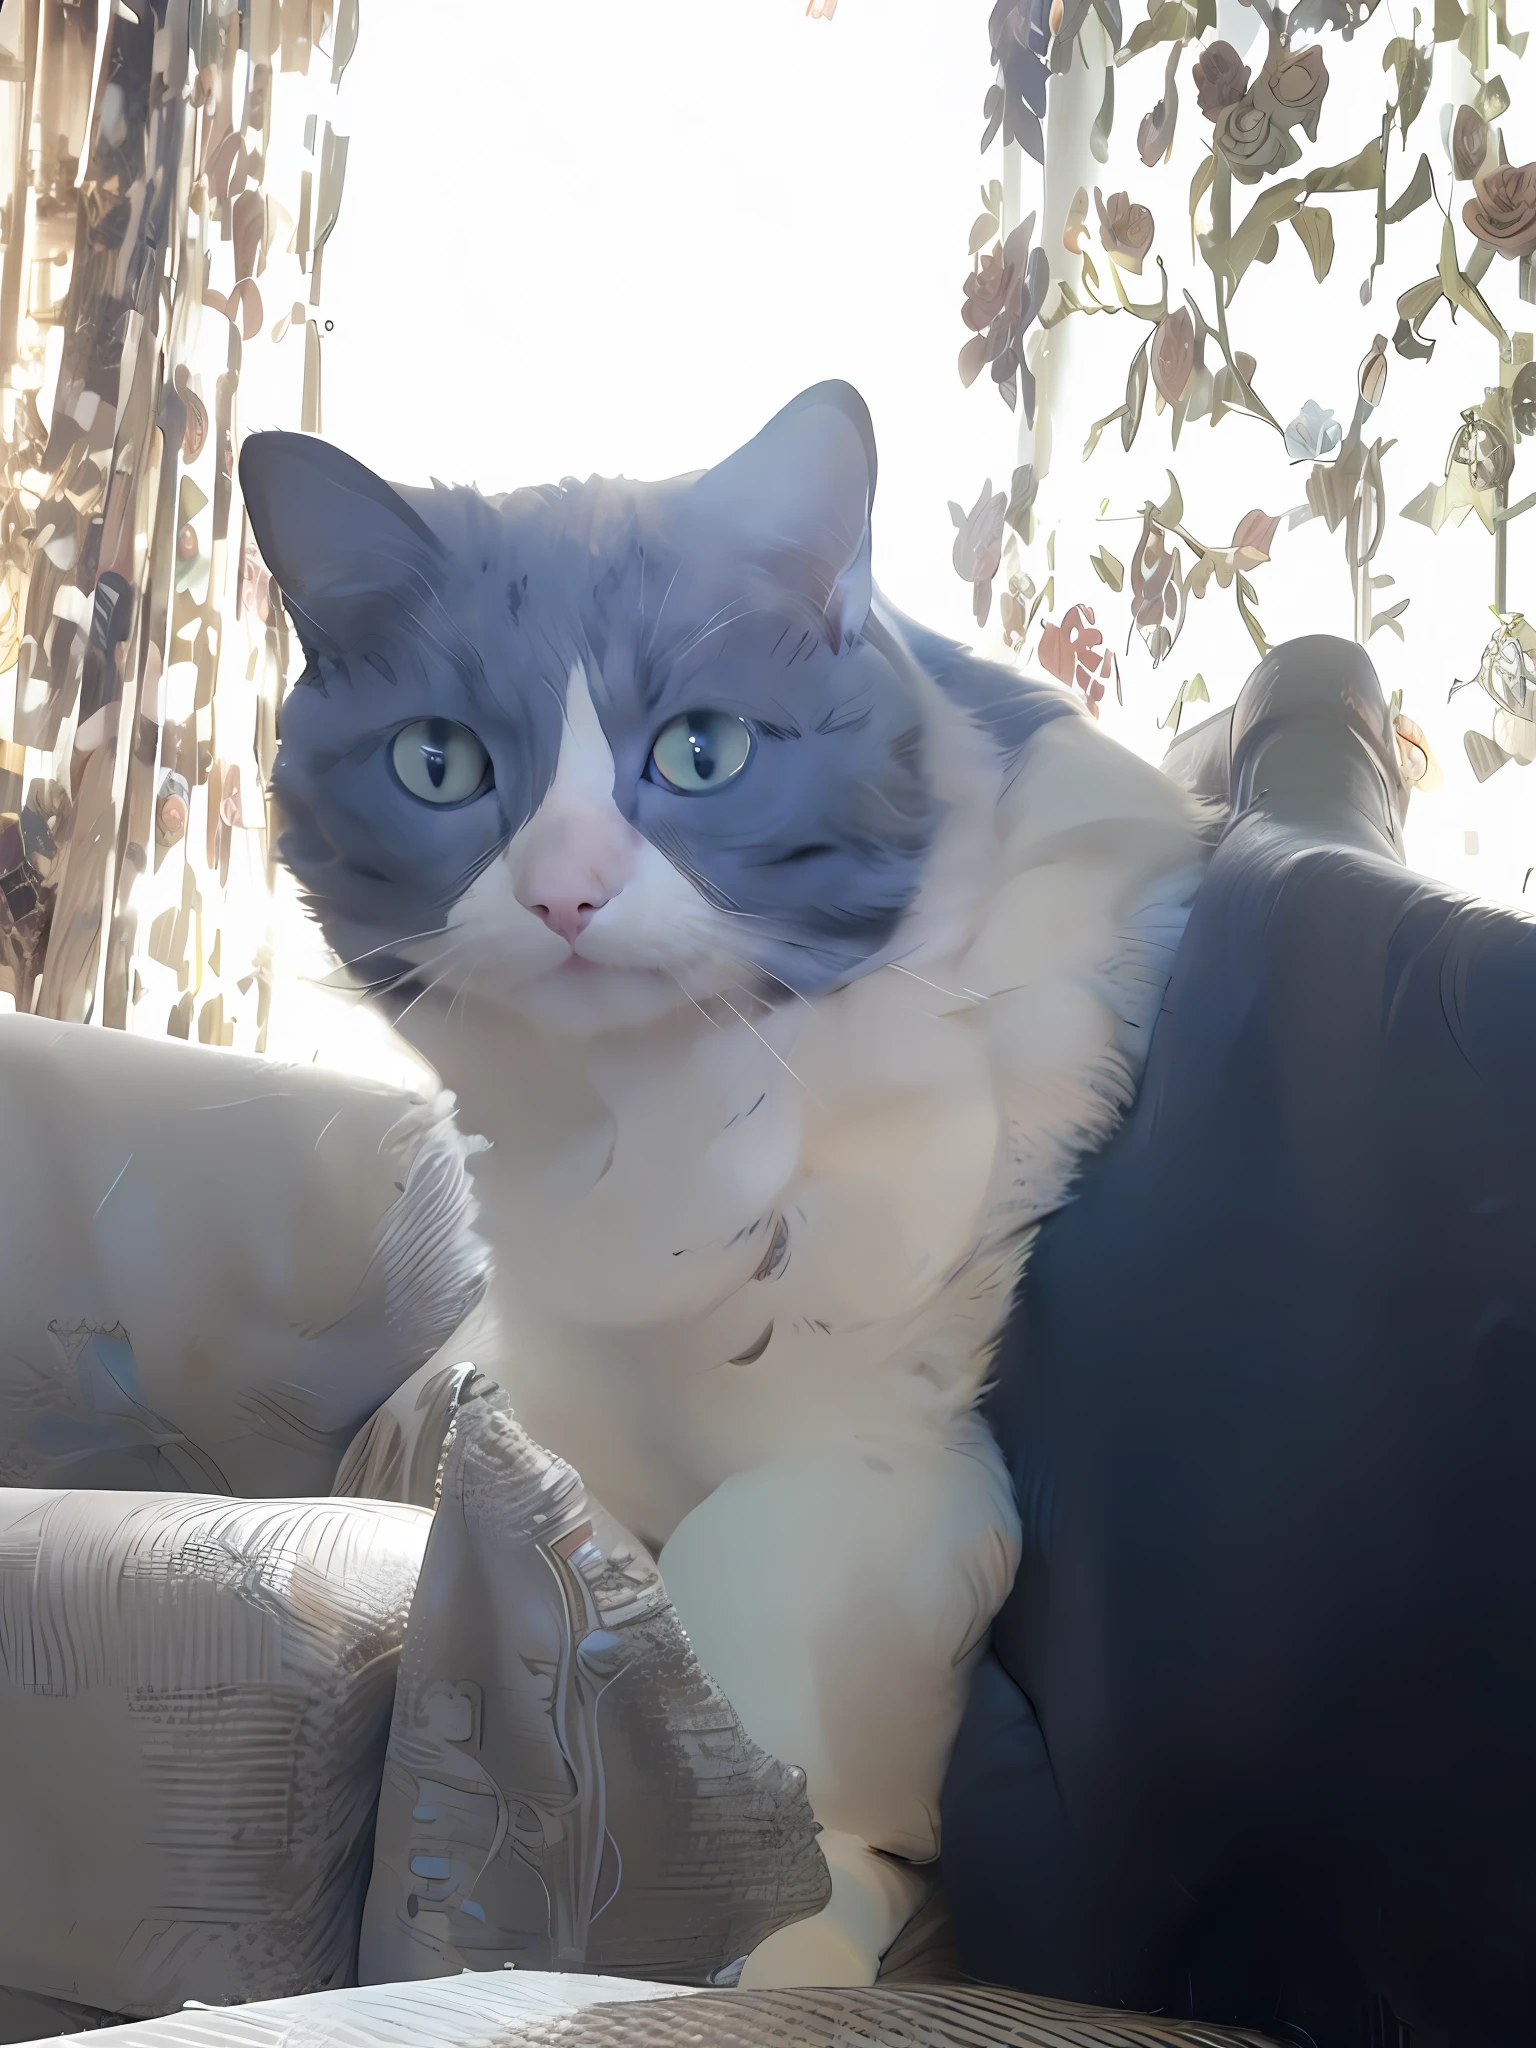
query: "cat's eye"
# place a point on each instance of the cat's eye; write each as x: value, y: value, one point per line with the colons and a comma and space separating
x: 701, y: 750
x: 440, y: 762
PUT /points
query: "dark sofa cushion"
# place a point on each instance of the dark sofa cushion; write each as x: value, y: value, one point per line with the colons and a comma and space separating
x: 1257, y: 1739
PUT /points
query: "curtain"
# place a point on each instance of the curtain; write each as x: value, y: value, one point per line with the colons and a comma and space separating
x: 1251, y: 290
x: 170, y: 177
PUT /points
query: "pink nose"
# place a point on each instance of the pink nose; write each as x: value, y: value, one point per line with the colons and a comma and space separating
x: 568, y: 917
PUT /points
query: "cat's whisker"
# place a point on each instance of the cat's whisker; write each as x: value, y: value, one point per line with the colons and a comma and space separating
x: 753, y: 996
x: 461, y: 992
x: 708, y: 632
x: 788, y: 987
x: 390, y: 945
x: 694, y: 1000
x: 784, y: 1063
x: 656, y: 624
x: 720, y: 614
x: 444, y: 961
x: 956, y: 995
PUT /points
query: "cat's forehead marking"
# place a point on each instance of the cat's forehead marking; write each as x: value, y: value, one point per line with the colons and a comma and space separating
x: 585, y: 767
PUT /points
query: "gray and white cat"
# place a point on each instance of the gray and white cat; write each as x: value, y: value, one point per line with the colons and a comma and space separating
x: 792, y: 960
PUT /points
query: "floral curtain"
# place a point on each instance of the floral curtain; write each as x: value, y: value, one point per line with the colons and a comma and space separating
x: 170, y: 176
x: 1253, y: 288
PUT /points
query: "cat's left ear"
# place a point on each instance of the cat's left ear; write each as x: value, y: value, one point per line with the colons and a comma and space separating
x: 797, y: 500
x: 331, y: 532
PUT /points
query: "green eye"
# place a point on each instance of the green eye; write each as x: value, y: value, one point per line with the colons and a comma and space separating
x: 701, y: 750
x: 438, y: 761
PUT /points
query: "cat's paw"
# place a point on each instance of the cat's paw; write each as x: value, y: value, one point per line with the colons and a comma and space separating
x: 811, y: 1952
x: 873, y: 1898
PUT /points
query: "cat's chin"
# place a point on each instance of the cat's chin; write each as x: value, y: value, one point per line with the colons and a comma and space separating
x: 583, y: 998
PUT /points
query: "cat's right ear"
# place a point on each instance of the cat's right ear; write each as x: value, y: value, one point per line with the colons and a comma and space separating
x: 330, y: 531
x: 797, y: 500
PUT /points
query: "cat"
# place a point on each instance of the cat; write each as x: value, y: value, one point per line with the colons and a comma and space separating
x: 792, y: 959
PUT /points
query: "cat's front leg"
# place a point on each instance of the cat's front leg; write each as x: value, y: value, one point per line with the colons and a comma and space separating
x: 840, y: 1600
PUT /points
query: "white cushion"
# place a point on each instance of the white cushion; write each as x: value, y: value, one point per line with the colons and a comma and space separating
x: 213, y: 1269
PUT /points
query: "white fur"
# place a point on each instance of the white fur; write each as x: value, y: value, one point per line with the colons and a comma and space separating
x: 676, y: 1167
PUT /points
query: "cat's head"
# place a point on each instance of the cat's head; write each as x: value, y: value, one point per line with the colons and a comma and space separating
x: 596, y: 749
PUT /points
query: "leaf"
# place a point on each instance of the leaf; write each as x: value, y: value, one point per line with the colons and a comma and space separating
x: 1191, y: 692
x: 1419, y: 300
x: 1168, y: 21
x: 1249, y: 617
x: 1098, y: 427
x: 1413, y: 77
x: 1269, y: 248
x: 1359, y: 173
x: 1424, y: 509
x: 1171, y: 511
x: 1314, y: 229
x: 1486, y: 757
x: 983, y: 230
x: 992, y: 108
x: 1277, y: 205
x: 1372, y: 379
x: 1215, y: 562
x: 1135, y: 394
x: 1389, y: 618
x: 1458, y: 291
x: 1199, y: 185
x: 972, y: 359
x: 1104, y: 120
x: 1514, y: 43
x: 1016, y: 248
x: 1108, y: 12
x: 1492, y: 99
x: 1021, y: 498
x: 1420, y: 187
x: 1409, y: 343
x: 1449, y: 21
x: 1107, y: 569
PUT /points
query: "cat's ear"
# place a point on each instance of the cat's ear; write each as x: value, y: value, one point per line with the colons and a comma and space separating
x: 330, y: 531
x: 797, y: 499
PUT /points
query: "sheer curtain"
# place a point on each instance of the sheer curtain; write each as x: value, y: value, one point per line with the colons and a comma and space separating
x: 171, y: 176
x: 1280, y: 372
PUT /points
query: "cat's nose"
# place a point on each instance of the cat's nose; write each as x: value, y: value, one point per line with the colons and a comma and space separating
x: 569, y: 861
x: 568, y: 915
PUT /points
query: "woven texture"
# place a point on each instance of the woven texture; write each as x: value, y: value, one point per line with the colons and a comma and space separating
x: 529, y: 2010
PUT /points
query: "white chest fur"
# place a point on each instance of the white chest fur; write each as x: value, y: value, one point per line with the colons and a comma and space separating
x: 725, y: 1238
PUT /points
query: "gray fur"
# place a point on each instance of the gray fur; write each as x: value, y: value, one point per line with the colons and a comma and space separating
x: 744, y: 589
